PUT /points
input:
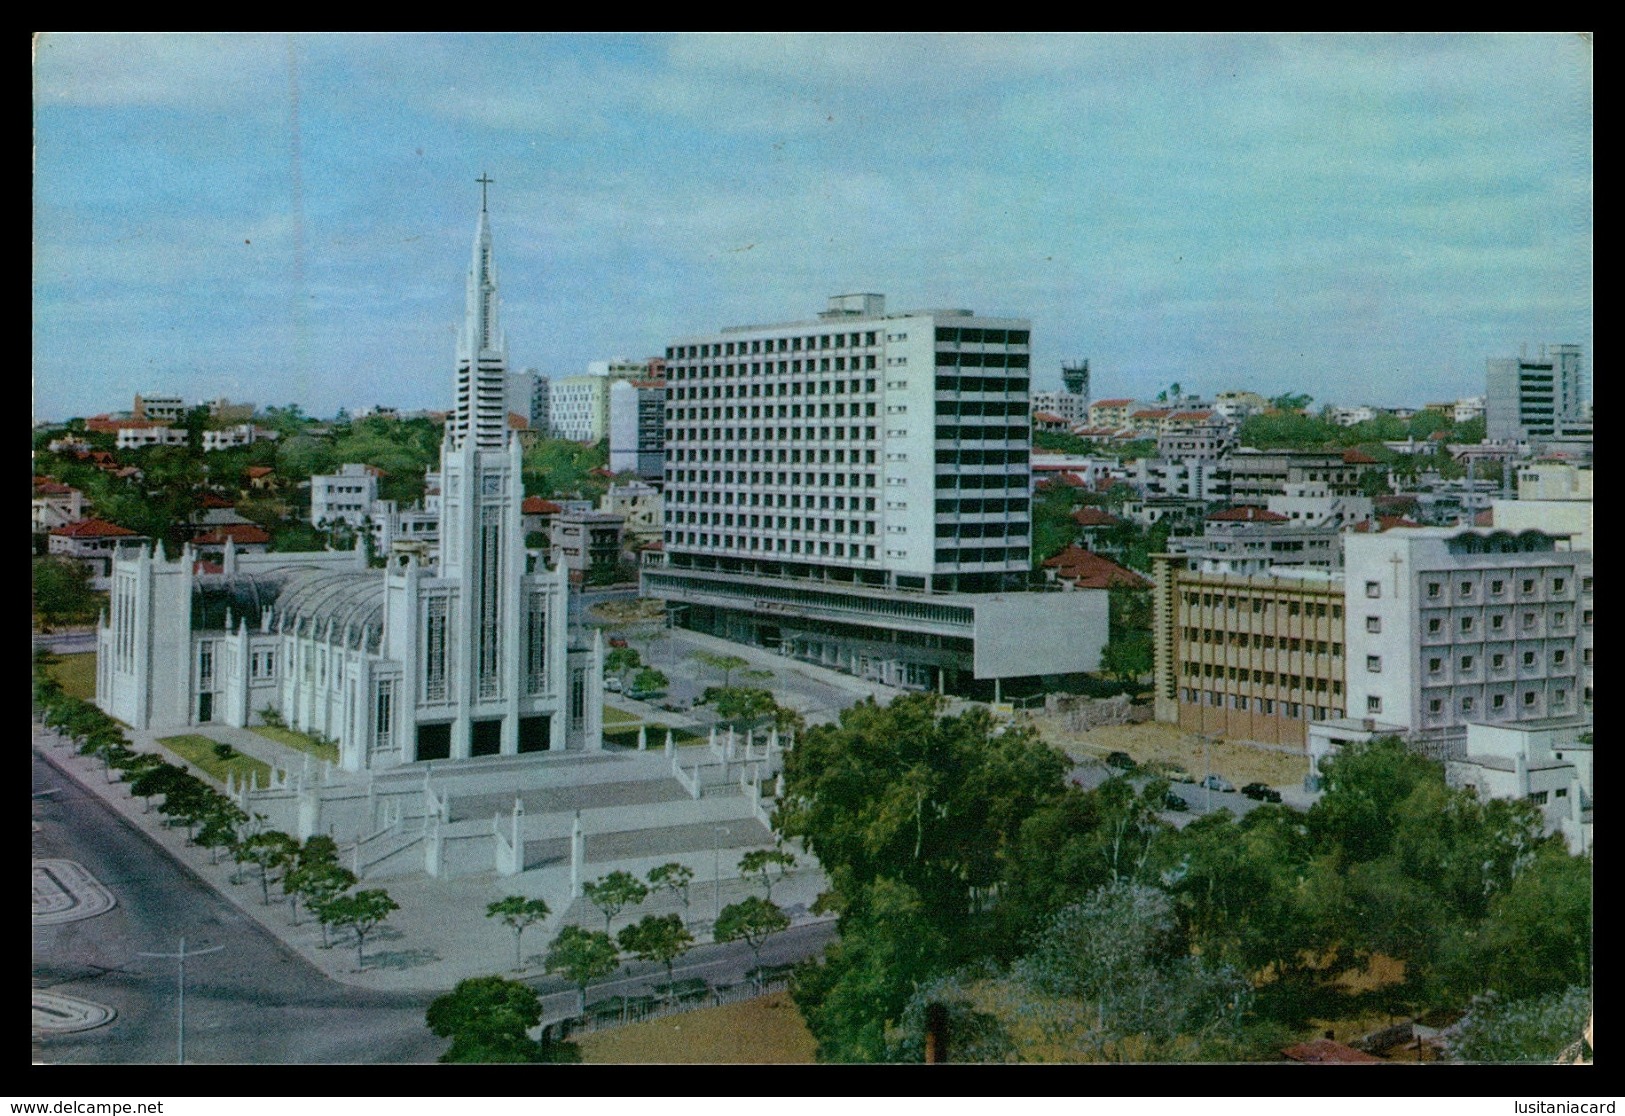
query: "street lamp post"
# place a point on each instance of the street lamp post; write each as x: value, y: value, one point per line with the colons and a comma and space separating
x: 180, y: 1000
x: 719, y: 833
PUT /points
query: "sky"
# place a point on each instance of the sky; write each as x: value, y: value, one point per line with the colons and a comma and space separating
x: 288, y: 218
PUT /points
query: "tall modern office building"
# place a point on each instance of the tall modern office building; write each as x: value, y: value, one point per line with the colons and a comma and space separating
x: 1536, y: 399
x: 854, y: 489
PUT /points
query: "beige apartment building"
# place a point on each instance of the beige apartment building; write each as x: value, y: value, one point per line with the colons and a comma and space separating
x: 1250, y: 657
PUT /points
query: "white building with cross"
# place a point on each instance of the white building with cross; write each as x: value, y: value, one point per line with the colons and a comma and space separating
x: 457, y: 656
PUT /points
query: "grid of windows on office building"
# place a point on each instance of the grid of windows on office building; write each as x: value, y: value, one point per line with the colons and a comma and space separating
x: 1261, y: 653
x: 777, y: 446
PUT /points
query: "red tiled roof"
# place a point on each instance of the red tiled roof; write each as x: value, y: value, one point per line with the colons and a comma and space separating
x: 517, y: 421
x: 1247, y: 513
x: 215, y: 500
x: 1153, y: 413
x: 1087, y: 570
x: 1188, y: 416
x: 93, y: 529
x: 1111, y: 403
x: 1047, y: 416
x: 1328, y: 1052
x: 535, y: 505
x: 1094, y: 517
x: 202, y: 566
x: 51, y: 488
x: 1355, y: 457
x: 243, y: 534
x: 657, y: 544
x: 257, y: 471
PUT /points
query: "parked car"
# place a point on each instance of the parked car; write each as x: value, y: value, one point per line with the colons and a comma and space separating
x: 1120, y: 760
x: 644, y: 695
x: 1218, y: 783
x: 1172, y: 801
x: 612, y: 684
x: 1174, y: 773
x: 1261, y: 792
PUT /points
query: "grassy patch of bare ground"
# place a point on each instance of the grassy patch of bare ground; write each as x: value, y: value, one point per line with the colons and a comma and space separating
x: 1155, y: 742
x: 76, y: 673
x: 764, y: 1031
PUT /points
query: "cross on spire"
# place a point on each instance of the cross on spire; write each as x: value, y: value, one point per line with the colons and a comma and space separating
x: 484, y: 180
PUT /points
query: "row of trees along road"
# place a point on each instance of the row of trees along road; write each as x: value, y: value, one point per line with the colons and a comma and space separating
x: 308, y: 872
x: 488, y: 1018
x: 970, y: 876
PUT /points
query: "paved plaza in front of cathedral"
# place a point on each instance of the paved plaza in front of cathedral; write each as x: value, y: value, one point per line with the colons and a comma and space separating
x: 634, y: 816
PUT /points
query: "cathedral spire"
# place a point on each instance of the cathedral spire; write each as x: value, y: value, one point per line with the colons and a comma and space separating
x: 482, y: 351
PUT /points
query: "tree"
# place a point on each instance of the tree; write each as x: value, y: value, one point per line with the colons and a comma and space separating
x: 724, y: 664
x: 517, y: 912
x: 673, y: 877
x: 620, y: 660
x: 488, y: 1019
x: 319, y: 884
x: 220, y: 825
x: 739, y: 705
x: 613, y: 893
x: 752, y: 921
x: 650, y: 681
x: 1291, y: 401
x: 157, y: 780
x: 266, y: 851
x: 661, y: 938
x: 362, y: 912
x: 1534, y: 1029
x: 62, y: 591
x: 767, y: 863
x: 581, y: 957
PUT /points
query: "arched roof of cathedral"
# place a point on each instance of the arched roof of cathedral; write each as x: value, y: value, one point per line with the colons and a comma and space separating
x: 349, y: 605
x: 245, y: 596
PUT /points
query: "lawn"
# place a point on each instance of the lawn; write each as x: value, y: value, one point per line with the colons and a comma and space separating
x: 613, y: 716
x: 298, y: 741
x: 764, y: 1031
x: 77, y: 673
x: 199, y: 751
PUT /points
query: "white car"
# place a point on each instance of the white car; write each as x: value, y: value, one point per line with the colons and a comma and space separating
x: 1218, y: 783
x: 612, y: 684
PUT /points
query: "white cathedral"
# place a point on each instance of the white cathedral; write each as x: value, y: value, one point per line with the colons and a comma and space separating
x: 458, y: 656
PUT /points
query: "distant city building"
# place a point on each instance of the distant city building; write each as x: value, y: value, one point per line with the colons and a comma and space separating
x: 1532, y: 400
x: 1111, y: 414
x: 1250, y: 540
x: 1252, y: 476
x: 637, y: 428
x: 94, y: 544
x: 159, y: 409
x: 150, y: 434
x: 1071, y: 403
x: 1552, y: 496
x: 1237, y: 405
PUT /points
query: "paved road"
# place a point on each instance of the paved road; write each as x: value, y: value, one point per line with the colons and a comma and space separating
x: 1091, y: 775
x: 810, y: 690
x: 256, y: 1001
x: 253, y: 1002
